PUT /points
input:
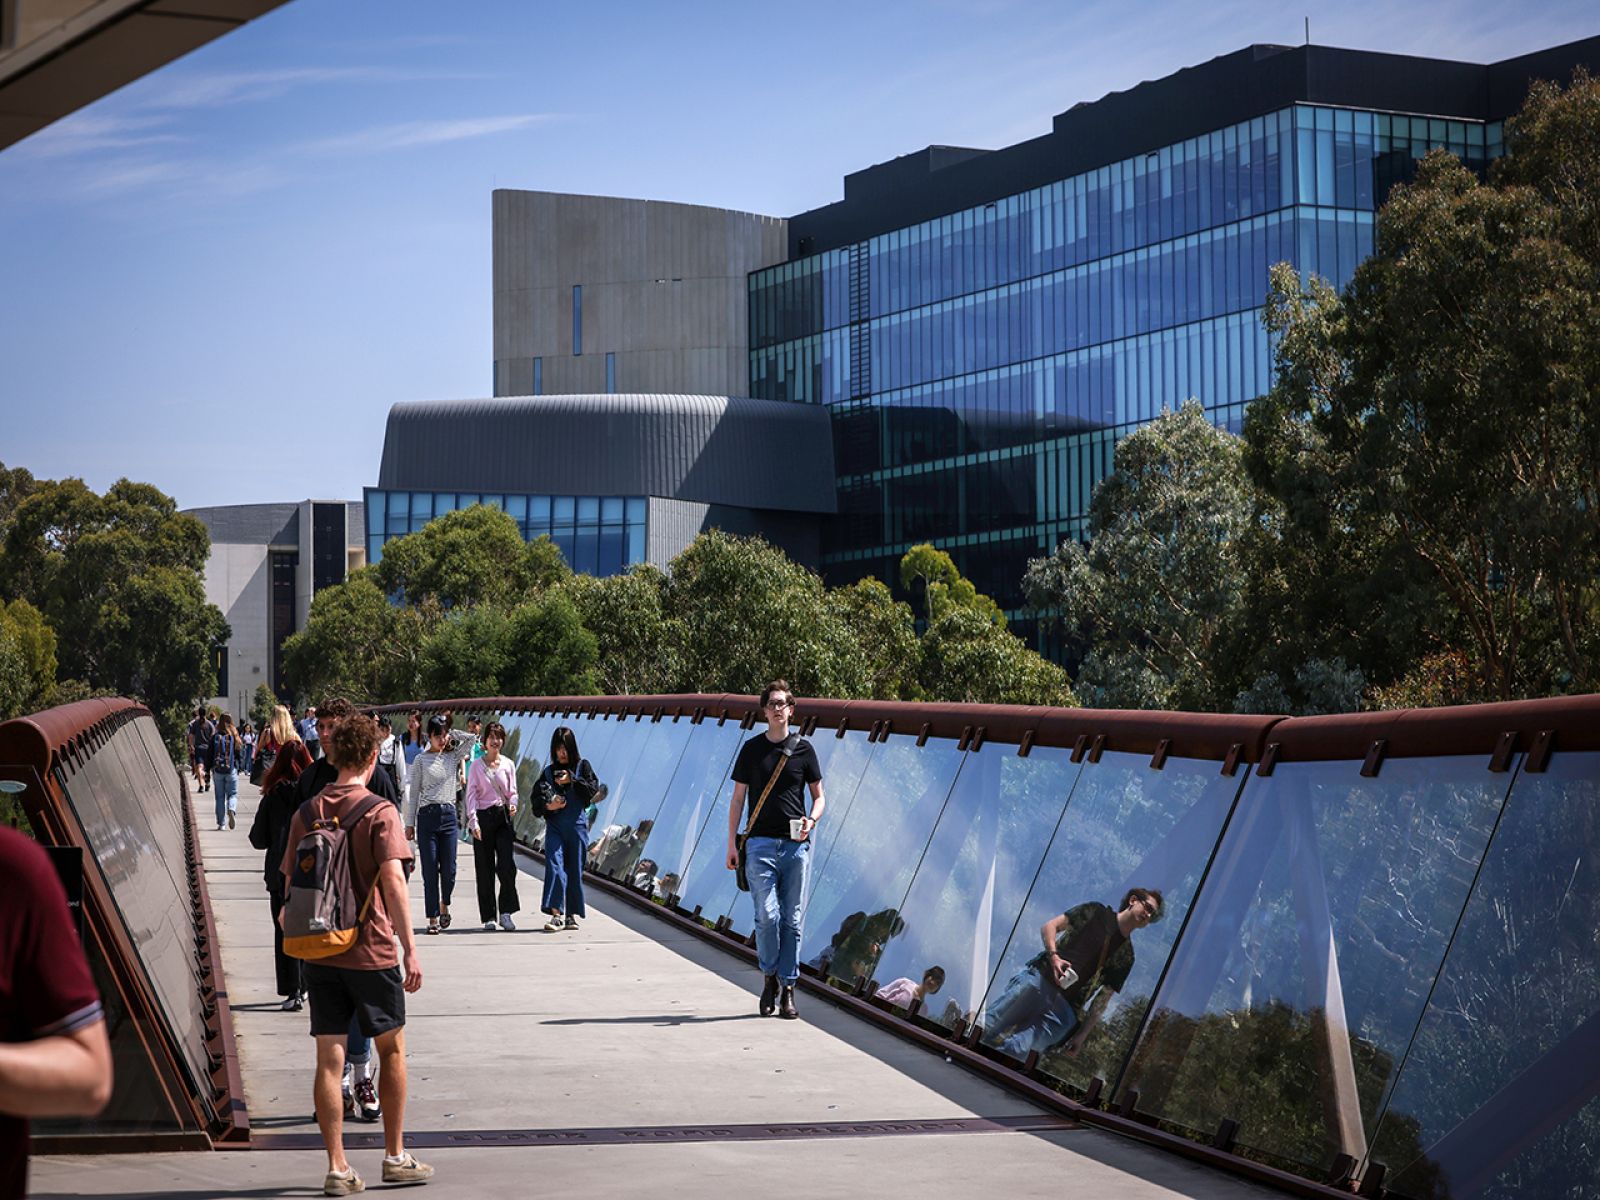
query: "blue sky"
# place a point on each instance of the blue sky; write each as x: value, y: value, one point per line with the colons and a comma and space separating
x: 219, y: 278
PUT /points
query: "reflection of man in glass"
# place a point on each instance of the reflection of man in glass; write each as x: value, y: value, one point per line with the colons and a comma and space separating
x: 1087, y: 956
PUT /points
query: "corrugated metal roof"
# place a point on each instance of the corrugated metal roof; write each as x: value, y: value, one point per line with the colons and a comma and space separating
x: 714, y: 449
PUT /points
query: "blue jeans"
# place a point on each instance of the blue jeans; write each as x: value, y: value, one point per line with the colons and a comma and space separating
x: 778, y: 869
x: 436, y: 842
x: 1033, y: 1011
x: 565, y: 844
x: 226, y: 786
x: 357, y: 1045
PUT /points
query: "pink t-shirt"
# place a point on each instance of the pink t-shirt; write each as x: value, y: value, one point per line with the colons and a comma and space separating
x: 899, y: 991
x: 488, y: 786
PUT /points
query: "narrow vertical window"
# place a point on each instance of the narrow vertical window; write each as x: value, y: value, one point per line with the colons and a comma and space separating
x: 577, y: 319
x: 538, y: 377
x: 611, y: 371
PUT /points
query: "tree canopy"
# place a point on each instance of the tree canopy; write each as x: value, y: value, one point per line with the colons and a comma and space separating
x: 1410, y: 516
x: 110, y: 592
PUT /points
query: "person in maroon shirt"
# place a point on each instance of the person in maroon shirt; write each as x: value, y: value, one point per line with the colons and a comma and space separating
x: 55, y: 1058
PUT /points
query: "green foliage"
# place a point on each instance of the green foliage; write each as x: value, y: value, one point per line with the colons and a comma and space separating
x: 539, y: 648
x: 551, y: 653
x: 884, y: 656
x: 117, y: 578
x: 262, y: 705
x: 469, y: 654
x: 1159, y: 593
x: 353, y: 645
x: 1440, y: 413
x: 932, y: 573
x: 1411, y: 511
x: 624, y: 613
x: 739, y: 613
x: 15, y: 684
x: 473, y: 556
x: 968, y: 659
x: 27, y: 660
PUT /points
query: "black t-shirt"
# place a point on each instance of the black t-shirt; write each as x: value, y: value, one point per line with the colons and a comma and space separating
x: 202, y: 732
x: 758, y: 759
x: 1092, y: 942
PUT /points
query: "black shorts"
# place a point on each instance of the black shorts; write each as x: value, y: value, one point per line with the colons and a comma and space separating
x: 375, y: 998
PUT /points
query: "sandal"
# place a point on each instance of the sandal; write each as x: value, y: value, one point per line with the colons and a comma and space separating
x: 554, y: 925
x: 433, y: 924
x: 444, y: 919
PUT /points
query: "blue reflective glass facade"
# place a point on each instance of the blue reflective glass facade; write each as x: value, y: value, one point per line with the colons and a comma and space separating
x: 597, y: 535
x: 981, y: 365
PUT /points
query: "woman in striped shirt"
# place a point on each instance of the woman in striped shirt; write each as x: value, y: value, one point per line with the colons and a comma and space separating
x: 431, y: 814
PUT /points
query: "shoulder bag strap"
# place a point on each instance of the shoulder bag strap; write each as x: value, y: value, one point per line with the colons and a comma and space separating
x: 765, y: 792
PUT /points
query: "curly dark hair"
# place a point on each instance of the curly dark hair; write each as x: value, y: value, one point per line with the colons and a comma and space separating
x: 353, y: 743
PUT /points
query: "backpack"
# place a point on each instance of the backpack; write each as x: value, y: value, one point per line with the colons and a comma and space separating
x: 322, y: 914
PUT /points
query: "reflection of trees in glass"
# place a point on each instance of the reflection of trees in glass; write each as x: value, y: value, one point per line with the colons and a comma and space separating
x: 882, y: 837
x: 684, y: 810
x: 1496, y: 1059
x: 1125, y: 826
x: 1256, y: 1065
x: 1330, y: 902
x: 859, y: 941
x: 520, y: 732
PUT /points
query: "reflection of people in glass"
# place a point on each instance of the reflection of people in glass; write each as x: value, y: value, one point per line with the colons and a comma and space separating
x: 1087, y: 956
x: 773, y: 770
x: 618, y: 849
x: 856, y: 950
x: 823, y: 959
x: 903, y: 991
x: 562, y: 796
x: 643, y: 875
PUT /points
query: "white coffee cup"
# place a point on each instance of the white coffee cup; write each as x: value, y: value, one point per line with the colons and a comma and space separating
x: 1068, y: 978
x: 797, y: 829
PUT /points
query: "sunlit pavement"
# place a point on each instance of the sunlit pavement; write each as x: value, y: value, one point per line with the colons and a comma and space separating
x: 635, y: 1048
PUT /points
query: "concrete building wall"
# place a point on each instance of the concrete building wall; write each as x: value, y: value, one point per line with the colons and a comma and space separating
x: 239, y: 582
x: 664, y: 290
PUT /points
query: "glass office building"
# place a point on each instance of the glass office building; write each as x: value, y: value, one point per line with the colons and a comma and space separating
x: 598, y: 535
x: 981, y: 362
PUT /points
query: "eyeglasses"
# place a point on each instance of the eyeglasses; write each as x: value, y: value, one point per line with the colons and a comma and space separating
x: 779, y: 703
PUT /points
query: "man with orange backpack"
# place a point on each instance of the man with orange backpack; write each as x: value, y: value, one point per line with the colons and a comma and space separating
x: 346, y: 905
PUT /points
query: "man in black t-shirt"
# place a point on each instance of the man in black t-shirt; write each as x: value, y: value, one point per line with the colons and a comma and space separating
x: 1087, y: 957
x: 782, y: 765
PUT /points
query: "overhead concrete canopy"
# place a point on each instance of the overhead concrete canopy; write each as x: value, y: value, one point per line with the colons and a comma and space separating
x: 56, y: 56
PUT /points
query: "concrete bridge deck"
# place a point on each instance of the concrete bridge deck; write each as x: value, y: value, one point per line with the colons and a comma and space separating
x: 618, y: 1060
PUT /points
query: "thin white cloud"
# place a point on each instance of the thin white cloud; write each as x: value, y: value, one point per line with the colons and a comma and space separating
x: 91, y: 133
x: 209, y: 90
x: 424, y: 133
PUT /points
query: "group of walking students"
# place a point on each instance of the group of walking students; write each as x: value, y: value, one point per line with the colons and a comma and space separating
x: 343, y: 799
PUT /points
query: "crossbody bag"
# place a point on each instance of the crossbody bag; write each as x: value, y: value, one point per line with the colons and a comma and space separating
x: 783, y: 759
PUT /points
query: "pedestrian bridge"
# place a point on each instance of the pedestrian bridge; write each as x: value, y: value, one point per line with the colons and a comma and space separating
x: 1377, y: 967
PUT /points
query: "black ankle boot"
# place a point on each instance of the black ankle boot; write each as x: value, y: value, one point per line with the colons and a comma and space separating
x: 769, y: 995
x: 786, y: 1008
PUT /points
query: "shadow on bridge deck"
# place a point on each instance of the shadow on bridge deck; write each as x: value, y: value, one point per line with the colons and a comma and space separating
x: 622, y: 1058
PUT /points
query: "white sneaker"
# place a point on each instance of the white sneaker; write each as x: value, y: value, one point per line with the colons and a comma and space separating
x: 489, y: 926
x: 507, y: 924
